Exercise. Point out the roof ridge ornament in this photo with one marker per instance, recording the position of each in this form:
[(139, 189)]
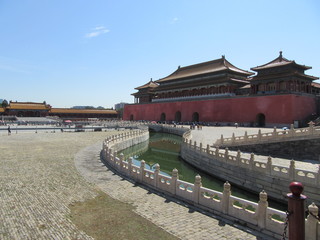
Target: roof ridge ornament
[(280, 55)]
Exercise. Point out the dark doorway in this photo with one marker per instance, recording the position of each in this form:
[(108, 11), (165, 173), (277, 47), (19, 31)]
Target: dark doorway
[(195, 117), (261, 120), (178, 117), (131, 117), (163, 117)]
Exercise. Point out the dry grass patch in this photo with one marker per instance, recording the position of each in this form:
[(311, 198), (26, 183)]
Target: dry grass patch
[(106, 218)]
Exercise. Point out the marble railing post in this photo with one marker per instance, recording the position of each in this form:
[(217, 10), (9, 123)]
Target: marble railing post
[(142, 166), (292, 168), (274, 133), (318, 175), (200, 147), (130, 166), (174, 178), (208, 148), (221, 139), (245, 136), (121, 158), (217, 151), (312, 223), (259, 135), (226, 197), (291, 131), (233, 138), (238, 157), (269, 165), (262, 209), (226, 154), (156, 174), (195, 145), (251, 162), (196, 188)]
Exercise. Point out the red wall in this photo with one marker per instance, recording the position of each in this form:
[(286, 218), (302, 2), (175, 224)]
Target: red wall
[(282, 109)]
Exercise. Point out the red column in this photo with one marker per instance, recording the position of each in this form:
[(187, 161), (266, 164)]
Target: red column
[(296, 211)]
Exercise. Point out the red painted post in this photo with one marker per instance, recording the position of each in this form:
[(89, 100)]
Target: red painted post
[(296, 211)]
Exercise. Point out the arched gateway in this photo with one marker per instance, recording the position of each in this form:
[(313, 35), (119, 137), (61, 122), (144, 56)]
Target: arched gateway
[(261, 120)]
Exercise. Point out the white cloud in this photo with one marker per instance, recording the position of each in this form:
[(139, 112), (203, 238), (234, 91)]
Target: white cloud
[(97, 31), (174, 20)]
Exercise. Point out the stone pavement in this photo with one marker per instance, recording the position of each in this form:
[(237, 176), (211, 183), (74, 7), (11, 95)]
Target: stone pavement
[(39, 179)]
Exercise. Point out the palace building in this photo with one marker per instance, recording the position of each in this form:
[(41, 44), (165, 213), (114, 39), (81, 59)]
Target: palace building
[(31, 109), (279, 93)]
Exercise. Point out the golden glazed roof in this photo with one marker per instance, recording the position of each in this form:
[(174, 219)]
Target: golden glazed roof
[(84, 111), (217, 65), (28, 105)]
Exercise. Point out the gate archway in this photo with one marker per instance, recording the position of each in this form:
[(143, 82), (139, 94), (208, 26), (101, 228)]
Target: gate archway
[(261, 120), (195, 117), (177, 117), (163, 117)]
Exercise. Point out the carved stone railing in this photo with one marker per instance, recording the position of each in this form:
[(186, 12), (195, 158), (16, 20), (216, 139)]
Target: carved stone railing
[(256, 215), (291, 134)]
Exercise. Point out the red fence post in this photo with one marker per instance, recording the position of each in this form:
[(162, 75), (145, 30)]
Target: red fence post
[(296, 209)]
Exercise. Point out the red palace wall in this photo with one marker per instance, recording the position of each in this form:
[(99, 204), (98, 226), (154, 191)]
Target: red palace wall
[(277, 109)]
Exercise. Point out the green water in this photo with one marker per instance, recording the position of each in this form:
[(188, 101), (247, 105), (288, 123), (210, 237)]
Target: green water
[(164, 149)]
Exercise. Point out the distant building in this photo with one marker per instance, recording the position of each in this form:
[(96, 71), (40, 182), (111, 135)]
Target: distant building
[(217, 91), (120, 105), (31, 109)]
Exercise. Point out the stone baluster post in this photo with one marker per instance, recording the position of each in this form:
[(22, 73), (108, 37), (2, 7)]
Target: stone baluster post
[(221, 139), (296, 211), (130, 160), (312, 222), (311, 128), (156, 174), (174, 178), (259, 135), (245, 136), (196, 189), (318, 176), (200, 147), (121, 159), (238, 157), (291, 131), (292, 169), (269, 165), (208, 149), (233, 139), (142, 167), (217, 151), (274, 133), (225, 201), (190, 143), (262, 209), (115, 153), (226, 154), (195, 145), (251, 162)]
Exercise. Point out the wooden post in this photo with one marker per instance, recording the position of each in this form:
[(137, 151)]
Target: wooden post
[(296, 211)]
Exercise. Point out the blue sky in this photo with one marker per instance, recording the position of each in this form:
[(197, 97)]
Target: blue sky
[(81, 52)]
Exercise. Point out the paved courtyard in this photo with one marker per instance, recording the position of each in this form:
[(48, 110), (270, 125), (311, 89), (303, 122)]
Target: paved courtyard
[(42, 174)]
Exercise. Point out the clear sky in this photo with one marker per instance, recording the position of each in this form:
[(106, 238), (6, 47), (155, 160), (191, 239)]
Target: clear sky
[(81, 52)]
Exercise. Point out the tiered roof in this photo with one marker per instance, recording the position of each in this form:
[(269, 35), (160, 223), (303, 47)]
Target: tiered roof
[(214, 66), (150, 84)]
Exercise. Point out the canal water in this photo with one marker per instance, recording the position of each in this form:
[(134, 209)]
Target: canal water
[(164, 149)]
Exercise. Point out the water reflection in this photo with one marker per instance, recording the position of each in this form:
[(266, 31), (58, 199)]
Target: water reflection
[(164, 149)]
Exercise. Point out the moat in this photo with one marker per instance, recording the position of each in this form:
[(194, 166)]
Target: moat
[(164, 149)]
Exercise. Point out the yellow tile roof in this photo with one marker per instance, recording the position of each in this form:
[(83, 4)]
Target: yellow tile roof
[(31, 106), (1, 109), (72, 110)]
